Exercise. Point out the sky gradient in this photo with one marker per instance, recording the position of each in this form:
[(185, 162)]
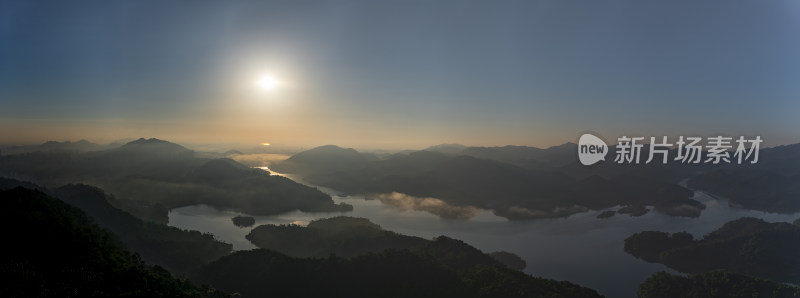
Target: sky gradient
[(398, 74)]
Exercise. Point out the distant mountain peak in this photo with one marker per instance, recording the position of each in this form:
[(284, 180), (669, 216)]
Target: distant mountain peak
[(153, 144), (447, 148), (449, 145), (53, 143), (565, 145), (329, 149), (329, 157), (232, 152), (150, 141), (82, 144), (427, 154)]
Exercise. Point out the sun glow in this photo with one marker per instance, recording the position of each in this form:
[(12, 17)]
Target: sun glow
[(267, 83), (264, 144)]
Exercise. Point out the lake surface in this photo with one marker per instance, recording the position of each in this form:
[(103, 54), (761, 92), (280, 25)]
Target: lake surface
[(580, 248)]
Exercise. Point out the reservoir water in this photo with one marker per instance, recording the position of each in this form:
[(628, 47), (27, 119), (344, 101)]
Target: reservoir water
[(580, 248)]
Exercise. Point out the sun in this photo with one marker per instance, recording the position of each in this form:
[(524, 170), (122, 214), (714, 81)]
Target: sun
[(267, 83)]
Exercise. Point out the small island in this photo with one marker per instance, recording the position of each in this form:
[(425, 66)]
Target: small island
[(607, 214), (634, 210), (682, 208), (244, 221)]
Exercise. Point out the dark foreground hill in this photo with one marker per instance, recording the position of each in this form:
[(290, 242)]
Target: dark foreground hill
[(353, 257), (178, 250), (715, 284), (59, 251), (350, 236), (55, 250), (392, 273), (748, 246)]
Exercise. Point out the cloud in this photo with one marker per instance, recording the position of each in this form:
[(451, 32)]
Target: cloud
[(432, 205), (302, 223)]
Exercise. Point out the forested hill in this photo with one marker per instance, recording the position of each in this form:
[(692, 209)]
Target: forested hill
[(178, 250), (55, 250), (748, 245), (149, 176)]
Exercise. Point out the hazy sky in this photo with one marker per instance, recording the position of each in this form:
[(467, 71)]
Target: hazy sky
[(398, 74)]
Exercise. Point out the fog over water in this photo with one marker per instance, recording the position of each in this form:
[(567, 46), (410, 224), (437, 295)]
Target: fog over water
[(580, 248)]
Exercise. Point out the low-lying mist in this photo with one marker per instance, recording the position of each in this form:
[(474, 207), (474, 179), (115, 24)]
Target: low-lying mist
[(432, 205)]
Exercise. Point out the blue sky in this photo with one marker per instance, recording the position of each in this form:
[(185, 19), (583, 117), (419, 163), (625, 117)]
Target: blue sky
[(399, 74)]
